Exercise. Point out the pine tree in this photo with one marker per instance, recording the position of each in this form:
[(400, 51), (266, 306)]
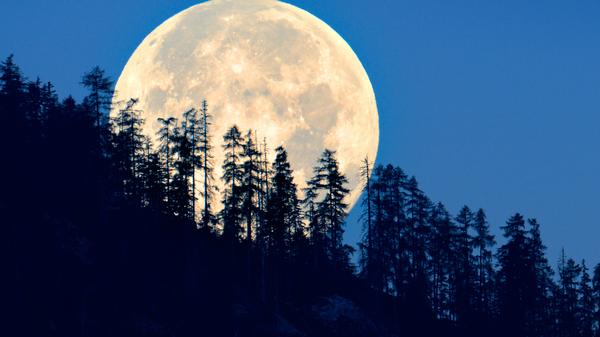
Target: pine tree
[(153, 178), (166, 134), (568, 311), (233, 173), (596, 299), (483, 242), (185, 160), (514, 278), (250, 186), (442, 258), (464, 265), (540, 321), (100, 97), (586, 307), (367, 245), (128, 150), (283, 208), (205, 148), (330, 182)]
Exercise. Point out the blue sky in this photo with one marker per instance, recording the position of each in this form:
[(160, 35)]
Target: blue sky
[(490, 104)]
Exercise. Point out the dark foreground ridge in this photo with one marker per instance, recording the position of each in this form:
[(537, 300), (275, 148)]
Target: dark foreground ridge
[(101, 236)]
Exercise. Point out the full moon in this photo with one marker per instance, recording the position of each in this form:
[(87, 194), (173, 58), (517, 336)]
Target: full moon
[(263, 65)]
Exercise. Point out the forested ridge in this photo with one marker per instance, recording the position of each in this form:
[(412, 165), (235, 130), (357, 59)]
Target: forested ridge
[(108, 234)]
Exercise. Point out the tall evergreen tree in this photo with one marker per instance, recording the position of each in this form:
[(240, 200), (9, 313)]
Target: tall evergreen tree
[(464, 265), (515, 278), (153, 180), (568, 311), (596, 297), (128, 153), (483, 241), (205, 147), (283, 217), (100, 98), (540, 320), (330, 182), (586, 304), (443, 255), (185, 161), (166, 136), (251, 185), (367, 244), (233, 174)]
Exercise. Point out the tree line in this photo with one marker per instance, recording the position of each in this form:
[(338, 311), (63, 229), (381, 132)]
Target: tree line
[(92, 205), (445, 266)]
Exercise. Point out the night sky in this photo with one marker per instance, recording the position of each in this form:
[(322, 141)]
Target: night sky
[(495, 105)]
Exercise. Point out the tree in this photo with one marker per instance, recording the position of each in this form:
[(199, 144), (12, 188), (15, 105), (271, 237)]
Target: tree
[(596, 297), (13, 128), (205, 148), (515, 278), (443, 255), (232, 176), (251, 185), (568, 311), (165, 137), (483, 241), (183, 196), (128, 148), (330, 182), (540, 321), (153, 179), (100, 97), (464, 271), (283, 217), (367, 246), (587, 307)]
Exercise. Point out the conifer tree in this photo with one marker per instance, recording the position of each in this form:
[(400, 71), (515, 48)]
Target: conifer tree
[(568, 311), (586, 304), (443, 256), (463, 266), (251, 185), (233, 174), (128, 148), (166, 134), (205, 148), (185, 160), (153, 178), (330, 182), (283, 208), (596, 299), (367, 245), (100, 98), (482, 242), (540, 320), (514, 278)]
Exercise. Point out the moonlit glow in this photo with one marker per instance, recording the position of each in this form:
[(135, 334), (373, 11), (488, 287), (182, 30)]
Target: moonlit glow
[(263, 65)]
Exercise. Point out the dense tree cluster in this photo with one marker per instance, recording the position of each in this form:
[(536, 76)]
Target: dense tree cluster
[(103, 234), (442, 266)]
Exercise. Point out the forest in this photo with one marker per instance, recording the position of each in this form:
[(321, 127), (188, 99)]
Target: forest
[(108, 234)]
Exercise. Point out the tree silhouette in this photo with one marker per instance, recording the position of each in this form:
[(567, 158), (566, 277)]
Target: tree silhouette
[(109, 223), (128, 149), (329, 181), (166, 136), (100, 97), (514, 278), (205, 147), (283, 209), (483, 241), (233, 173)]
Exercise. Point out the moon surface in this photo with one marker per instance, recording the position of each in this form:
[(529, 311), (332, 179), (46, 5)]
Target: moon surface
[(263, 65)]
